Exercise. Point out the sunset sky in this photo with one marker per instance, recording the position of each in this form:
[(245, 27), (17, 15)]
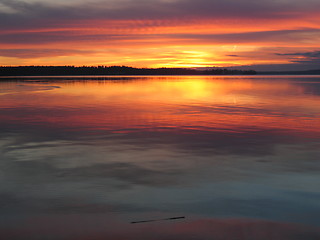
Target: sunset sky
[(269, 34)]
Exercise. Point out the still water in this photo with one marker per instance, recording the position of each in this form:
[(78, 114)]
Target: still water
[(83, 157)]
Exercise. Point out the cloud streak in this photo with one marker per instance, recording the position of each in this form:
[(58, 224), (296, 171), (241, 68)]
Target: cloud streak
[(26, 15), (32, 53), (142, 9), (303, 57)]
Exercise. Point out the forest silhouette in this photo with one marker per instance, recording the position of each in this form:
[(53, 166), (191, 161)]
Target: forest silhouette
[(112, 70)]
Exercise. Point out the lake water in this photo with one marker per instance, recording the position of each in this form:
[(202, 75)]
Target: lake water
[(83, 157)]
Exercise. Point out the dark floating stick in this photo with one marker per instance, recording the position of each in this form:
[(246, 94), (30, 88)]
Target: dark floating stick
[(155, 220)]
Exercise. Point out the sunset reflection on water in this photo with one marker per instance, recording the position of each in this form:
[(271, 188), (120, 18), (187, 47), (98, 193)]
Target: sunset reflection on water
[(238, 156)]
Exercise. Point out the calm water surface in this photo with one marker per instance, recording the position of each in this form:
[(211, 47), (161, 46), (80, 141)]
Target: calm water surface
[(83, 157)]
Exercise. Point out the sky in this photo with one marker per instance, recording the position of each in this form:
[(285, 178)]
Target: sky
[(262, 35)]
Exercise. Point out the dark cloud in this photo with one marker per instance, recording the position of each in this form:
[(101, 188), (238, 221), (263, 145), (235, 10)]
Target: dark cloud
[(314, 54), (38, 14), (232, 38), (307, 57)]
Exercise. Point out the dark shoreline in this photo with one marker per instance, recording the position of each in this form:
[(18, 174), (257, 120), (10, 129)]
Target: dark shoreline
[(58, 71), (113, 71)]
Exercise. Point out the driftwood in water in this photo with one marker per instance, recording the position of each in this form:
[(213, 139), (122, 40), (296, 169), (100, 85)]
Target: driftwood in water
[(154, 220)]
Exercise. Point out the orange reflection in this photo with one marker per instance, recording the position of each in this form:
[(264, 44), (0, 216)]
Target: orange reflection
[(200, 103)]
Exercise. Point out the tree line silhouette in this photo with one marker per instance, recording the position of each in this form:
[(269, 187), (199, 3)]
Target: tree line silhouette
[(112, 70)]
